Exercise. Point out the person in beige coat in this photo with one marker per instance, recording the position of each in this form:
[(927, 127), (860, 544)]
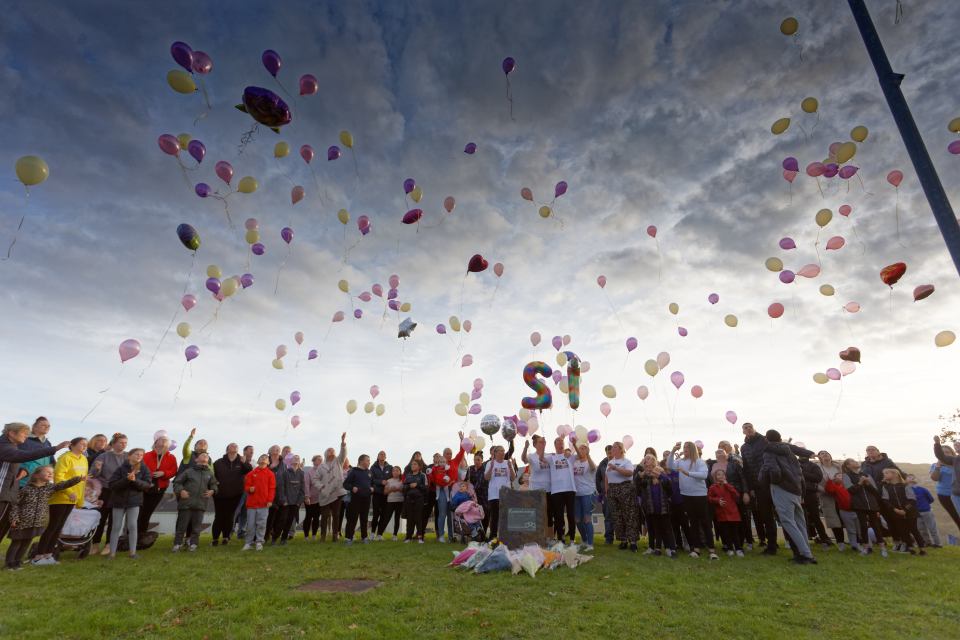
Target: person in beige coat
[(828, 505), (327, 482)]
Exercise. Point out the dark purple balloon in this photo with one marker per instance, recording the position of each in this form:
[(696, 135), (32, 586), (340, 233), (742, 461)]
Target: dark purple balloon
[(954, 147), (787, 276), (271, 61), (358, 313), (197, 150), (246, 280), (508, 65), (392, 294), (409, 185), (333, 153), (470, 149), (312, 355), (265, 107), (257, 248), (213, 285), (182, 54), (560, 189), (203, 189), (790, 164), (202, 63), (830, 170), (394, 305), (287, 234)]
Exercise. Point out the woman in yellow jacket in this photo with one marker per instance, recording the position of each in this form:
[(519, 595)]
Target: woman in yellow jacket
[(72, 464)]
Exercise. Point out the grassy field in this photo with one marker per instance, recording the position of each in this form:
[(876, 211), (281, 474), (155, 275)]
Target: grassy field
[(225, 593)]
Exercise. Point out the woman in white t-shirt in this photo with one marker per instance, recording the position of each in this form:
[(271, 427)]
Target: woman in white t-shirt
[(584, 480), (623, 498), (499, 474), (562, 491), (539, 471), (693, 487)]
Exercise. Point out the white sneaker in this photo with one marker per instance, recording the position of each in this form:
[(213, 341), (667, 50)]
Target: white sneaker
[(730, 553), (694, 554), (420, 541), (193, 547), (739, 553), (648, 552), (714, 556), (406, 541), (259, 547), (175, 548), (247, 547), (588, 548)]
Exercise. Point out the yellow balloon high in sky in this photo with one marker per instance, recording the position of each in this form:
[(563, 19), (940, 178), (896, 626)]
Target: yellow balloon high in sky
[(281, 150), (789, 26), (809, 105), (183, 329), (823, 217), (545, 211), (346, 139), (859, 133), (247, 184), (351, 406), (213, 271), (181, 81), (774, 264), (846, 151), (780, 126), (730, 320), (417, 194), (609, 391), (344, 286), (954, 125), (651, 367), (183, 140), (343, 216), (32, 170)]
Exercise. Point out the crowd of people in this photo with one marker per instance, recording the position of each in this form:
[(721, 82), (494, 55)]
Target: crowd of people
[(678, 499)]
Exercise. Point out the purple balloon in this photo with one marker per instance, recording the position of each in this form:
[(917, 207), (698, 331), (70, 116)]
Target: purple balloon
[(295, 397), (475, 394), (358, 313), (475, 409), (593, 435), (394, 305), (287, 234), (409, 185), (392, 294), (522, 429), (833, 374), (257, 248), (312, 355), (848, 171), (954, 147), (197, 150), (787, 243), (556, 376), (508, 65), (682, 331), (191, 352), (713, 298), (213, 285), (271, 62), (246, 280), (441, 329), (787, 276), (265, 107), (830, 170), (333, 153), (202, 63), (470, 149), (791, 164), (203, 189), (631, 344), (560, 189), (182, 54)]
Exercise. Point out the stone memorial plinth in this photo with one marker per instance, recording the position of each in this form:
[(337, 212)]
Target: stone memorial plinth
[(523, 518)]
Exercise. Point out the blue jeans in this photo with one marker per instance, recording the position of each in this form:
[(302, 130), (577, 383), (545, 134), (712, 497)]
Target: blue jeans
[(240, 516), (583, 506), (443, 513), (607, 521)]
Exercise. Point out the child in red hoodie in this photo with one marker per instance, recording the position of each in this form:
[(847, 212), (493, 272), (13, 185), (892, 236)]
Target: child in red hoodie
[(260, 486), (725, 498), (834, 487)]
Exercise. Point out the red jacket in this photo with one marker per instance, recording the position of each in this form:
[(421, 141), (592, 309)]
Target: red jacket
[(168, 465), (264, 485), (729, 512), (443, 474), (839, 493)]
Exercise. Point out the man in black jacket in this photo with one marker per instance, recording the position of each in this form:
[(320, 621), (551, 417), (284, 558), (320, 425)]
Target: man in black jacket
[(761, 503), (229, 472), (380, 472), (358, 484), (14, 435), (781, 470)]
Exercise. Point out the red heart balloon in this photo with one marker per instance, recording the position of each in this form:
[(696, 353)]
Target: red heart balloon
[(477, 264), (850, 354), (892, 273)]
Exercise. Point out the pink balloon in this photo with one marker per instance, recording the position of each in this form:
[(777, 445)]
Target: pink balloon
[(338, 316), (682, 331), (954, 147), (365, 296), (449, 203), (557, 342), (731, 417), (377, 290), (847, 367), (696, 391), (566, 340), (832, 150), (851, 307), (787, 276), (475, 394), (602, 281), (815, 169), (631, 344), (775, 310), (188, 301), (895, 177), (129, 348), (833, 374), (652, 231), (308, 85), (467, 326), (535, 338), (787, 244), (643, 392), (677, 379), (790, 176), (394, 281), (466, 361), (713, 298), (584, 366), (281, 350), (809, 271), (663, 359), (526, 194), (169, 144), (836, 242), (845, 210), (298, 337), (475, 409), (306, 152), (296, 194), (295, 421), (467, 444), (563, 430), (605, 409), (790, 164), (374, 391), (627, 442), (498, 269), (224, 171), (556, 376), (251, 224)]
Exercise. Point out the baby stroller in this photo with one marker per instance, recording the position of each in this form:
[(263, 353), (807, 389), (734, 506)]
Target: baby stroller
[(468, 523), (81, 524)]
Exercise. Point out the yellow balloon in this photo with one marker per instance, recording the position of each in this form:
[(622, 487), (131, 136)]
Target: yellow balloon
[(545, 211), (368, 407), (674, 308), (277, 364), (774, 264), (479, 443), (564, 385), (730, 320), (247, 184), (780, 126), (381, 409), (32, 170), (859, 133), (344, 286), (343, 216), (561, 359), (823, 217), (454, 323), (417, 194), (184, 140), (253, 236), (181, 81), (183, 329), (944, 338), (405, 307), (821, 378), (954, 125), (846, 151), (347, 140), (229, 287), (789, 26), (809, 105), (827, 290), (651, 367), (351, 406), (609, 391), (464, 398), (281, 150), (213, 271), (280, 404), (524, 414), (460, 409)]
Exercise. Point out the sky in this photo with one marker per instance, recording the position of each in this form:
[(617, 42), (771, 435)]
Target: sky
[(654, 113)]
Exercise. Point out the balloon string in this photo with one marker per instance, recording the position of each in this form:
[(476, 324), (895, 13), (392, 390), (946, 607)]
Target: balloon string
[(206, 100), (898, 16), (15, 236), (356, 167), (177, 394), (837, 406), (510, 97), (659, 261), (214, 317), (283, 265), (160, 343), (818, 186), (796, 41), (280, 84), (103, 395), (614, 309)]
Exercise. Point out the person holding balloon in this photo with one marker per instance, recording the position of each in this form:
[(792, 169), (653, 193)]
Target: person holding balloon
[(618, 487), (563, 491), (327, 480), (163, 469), (539, 469), (693, 487), (443, 475)]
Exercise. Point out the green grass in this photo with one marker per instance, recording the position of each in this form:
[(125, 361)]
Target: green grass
[(225, 593)]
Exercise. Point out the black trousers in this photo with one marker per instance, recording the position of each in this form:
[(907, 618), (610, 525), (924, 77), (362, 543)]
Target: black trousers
[(224, 508), (746, 529), (273, 516), (413, 507), (342, 517), (391, 510), (151, 499), (58, 518), (379, 506), (564, 502), (730, 535), (678, 521), (5, 508), (494, 511), (429, 505), (944, 501), (697, 510), (660, 531), (106, 518), (284, 523), (16, 551), (766, 516), (311, 520), (811, 509), (358, 510), (869, 519)]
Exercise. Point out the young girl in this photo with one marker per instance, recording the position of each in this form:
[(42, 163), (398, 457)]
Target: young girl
[(499, 475), (865, 502), (414, 494), (127, 485), (841, 498), (724, 498), (654, 491), (28, 517), (394, 492), (902, 504)]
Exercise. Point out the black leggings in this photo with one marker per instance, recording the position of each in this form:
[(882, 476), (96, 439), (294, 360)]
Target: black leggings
[(564, 501), (660, 531), (58, 518), (949, 507), (493, 507), (413, 506), (698, 519), (869, 519), (16, 551), (274, 515), (379, 502), (730, 535), (390, 510), (678, 522), (224, 509), (288, 513), (815, 528), (311, 520), (150, 501)]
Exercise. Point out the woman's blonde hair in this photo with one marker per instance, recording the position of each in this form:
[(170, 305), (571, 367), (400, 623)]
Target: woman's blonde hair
[(895, 472), (38, 470), (690, 446)]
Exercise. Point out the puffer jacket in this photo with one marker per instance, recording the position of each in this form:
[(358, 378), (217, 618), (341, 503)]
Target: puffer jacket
[(900, 496), (379, 475), (196, 480), (780, 467), (735, 475), (229, 474), (752, 453), (125, 493), (875, 469), (862, 497), (812, 476), (291, 487)]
